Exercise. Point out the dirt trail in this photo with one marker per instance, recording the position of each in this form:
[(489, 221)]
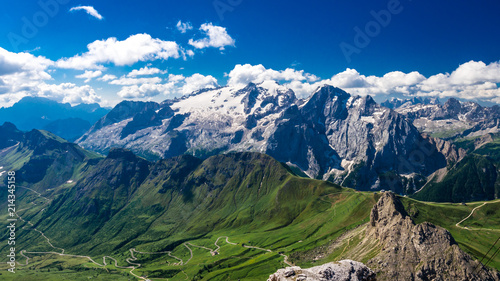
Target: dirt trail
[(132, 260), (470, 215)]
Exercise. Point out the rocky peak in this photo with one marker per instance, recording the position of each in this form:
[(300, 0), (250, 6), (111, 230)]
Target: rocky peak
[(452, 107), (9, 135), (365, 105), (422, 252), (266, 97), (8, 127), (329, 101), (124, 110), (388, 208), (328, 92)]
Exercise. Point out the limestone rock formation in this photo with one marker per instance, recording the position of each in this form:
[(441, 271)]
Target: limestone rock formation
[(350, 140), (345, 270), (417, 252)]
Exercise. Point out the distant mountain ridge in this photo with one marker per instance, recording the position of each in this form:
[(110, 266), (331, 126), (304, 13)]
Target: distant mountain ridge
[(398, 102), (68, 122), (350, 140), (453, 119), (40, 158)]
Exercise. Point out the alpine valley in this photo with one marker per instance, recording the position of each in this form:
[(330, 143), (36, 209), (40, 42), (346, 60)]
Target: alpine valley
[(253, 183)]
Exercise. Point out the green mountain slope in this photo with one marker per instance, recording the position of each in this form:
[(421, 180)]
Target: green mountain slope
[(474, 178), (124, 202), (229, 217), (41, 159)]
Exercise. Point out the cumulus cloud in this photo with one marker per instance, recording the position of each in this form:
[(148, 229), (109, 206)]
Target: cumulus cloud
[(68, 93), (142, 91), (216, 37), (23, 74), (20, 74), (24, 64), (197, 82), (470, 81), (107, 77), (89, 9), (135, 81), (88, 75), (139, 47), (243, 74), (145, 71), (390, 83), (183, 27), (175, 85)]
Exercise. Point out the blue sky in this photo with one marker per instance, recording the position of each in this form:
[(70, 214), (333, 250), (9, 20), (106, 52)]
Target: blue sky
[(383, 48)]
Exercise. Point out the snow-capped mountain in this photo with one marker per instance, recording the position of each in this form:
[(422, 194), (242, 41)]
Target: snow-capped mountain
[(453, 118), (398, 102), (348, 139)]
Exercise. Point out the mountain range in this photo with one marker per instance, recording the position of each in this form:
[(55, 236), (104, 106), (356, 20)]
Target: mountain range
[(76, 207), (62, 119), (349, 140), (417, 146), (238, 182)]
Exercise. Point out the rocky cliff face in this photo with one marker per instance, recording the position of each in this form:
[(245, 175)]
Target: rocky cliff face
[(345, 270), (417, 252), (332, 135), (451, 119), (397, 249), (353, 141)]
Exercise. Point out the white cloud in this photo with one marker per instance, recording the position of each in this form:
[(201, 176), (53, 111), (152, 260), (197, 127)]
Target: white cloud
[(88, 75), (89, 9), (183, 27), (142, 91), (197, 82), (217, 37), (244, 74), (145, 71), (23, 74), (24, 64), (107, 77), (470, 81), (135, 81), (68, 93), (138, 47), (175, 85)]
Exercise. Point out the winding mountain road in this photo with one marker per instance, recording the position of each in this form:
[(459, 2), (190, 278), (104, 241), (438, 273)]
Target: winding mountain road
[(132, 260), (470, 215)]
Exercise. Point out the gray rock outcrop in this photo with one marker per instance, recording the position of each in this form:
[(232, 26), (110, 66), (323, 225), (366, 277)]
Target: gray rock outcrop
[(345, 270), (417, 252)]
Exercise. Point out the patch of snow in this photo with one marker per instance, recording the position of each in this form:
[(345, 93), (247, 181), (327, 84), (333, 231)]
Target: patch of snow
[(368, 119)]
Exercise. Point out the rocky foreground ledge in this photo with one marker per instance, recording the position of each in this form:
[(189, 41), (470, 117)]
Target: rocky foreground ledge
[(346, 270), (405, 251)]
